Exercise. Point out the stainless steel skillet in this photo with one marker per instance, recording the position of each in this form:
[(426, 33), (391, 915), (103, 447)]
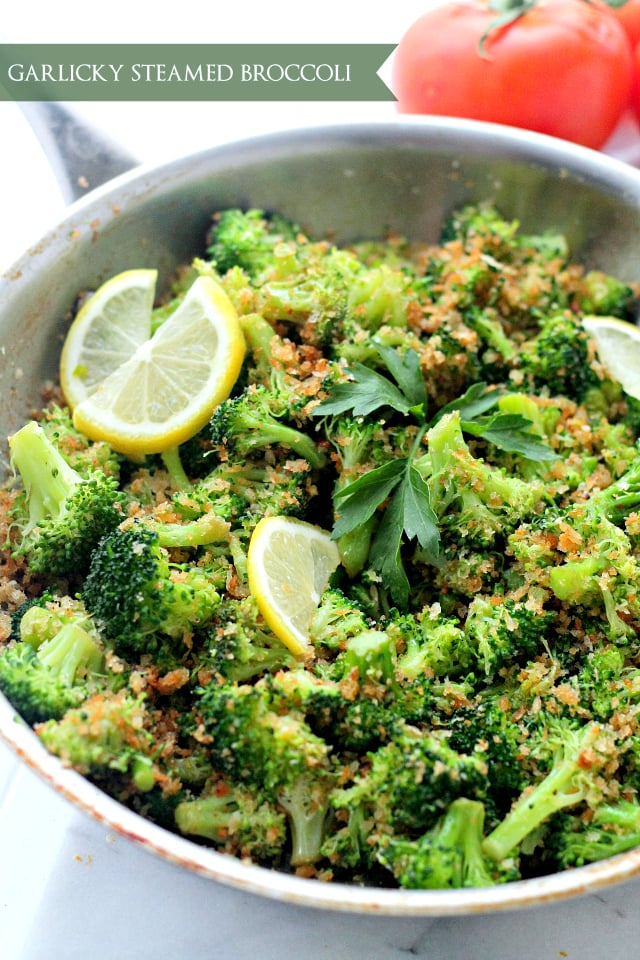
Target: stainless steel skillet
[(351, 181)]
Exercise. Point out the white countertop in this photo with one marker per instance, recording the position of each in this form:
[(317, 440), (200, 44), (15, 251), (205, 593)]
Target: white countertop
[(68, 888)]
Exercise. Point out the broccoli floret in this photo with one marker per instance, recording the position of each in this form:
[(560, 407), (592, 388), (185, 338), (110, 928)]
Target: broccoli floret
[(62, 513), (560, 359), (279, 755), (502, 631), (431, 645), (249, 239), (486, 725), (106, 735), (601, 682), (600, 562), (315, 296), (336, 619), (601, 293), (82, 454), (579, 756), (134, 591), (613, 828), (249, 422), (241, 646), (481, 221), (235, 821), (43, 682), (448, 856), (473, 500), (412, 780)]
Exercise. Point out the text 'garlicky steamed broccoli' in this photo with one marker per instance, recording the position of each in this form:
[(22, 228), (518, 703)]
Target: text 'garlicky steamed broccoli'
[(468, 714)]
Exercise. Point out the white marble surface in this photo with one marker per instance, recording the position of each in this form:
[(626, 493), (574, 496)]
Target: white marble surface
[(68, 889)]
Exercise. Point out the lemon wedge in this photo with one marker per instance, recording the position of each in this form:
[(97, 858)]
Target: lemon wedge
[(167, 390), (289, 563), (618, 346), (106, 331)]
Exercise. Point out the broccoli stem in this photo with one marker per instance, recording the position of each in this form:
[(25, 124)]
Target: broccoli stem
[(173, 465), (259, 335), (268, 433), (565, 786), (209, 528), (70, 648), (46, 476), (307, 812)]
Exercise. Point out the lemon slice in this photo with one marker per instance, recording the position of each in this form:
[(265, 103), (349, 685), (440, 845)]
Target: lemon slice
[(168, 389), (289, 563), (106, 331), (618, 346)]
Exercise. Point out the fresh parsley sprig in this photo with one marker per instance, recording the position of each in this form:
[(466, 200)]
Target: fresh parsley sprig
[(397, 485)]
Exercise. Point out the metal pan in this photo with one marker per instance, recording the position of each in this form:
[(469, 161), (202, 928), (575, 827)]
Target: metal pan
[(352, 181)]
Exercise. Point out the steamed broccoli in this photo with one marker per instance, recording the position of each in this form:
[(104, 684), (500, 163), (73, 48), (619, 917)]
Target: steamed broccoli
[(134, 591), (411, 780), (51, 669), (613, 828), (276, 754), (474, 500), (105, 738), (579, 757), (236, 821), (62, 513), (239, 644), (246, 423), (502, 631), (560, 359), (249, 239), (448, 856)]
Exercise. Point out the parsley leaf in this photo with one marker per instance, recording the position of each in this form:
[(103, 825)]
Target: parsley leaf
[(366, 392), (359, 501), (409, 514), (510, 432)]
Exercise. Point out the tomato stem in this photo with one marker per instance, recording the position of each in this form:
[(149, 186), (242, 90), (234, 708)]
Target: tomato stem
[(508, 11)]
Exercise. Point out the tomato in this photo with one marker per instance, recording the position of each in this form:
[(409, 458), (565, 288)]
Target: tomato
[(563, 67), (635, 88), (629, 16)]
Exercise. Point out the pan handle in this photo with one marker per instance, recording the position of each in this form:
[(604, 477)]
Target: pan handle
[(80, 156)]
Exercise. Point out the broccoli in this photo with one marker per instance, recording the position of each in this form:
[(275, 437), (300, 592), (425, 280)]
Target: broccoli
[(473, 500), (336, 619), (448, 856), (236, 821), (559, 360), (82, 454), (482, 221), (579, 758), (599, 561), (239, 645), (276, 754), (613, 828), (487, 725), (601, 293), (315, 297), (502, 631), (251, 421), (251, 240), (43, 681), (431, 645), (62, 514), (134, 590), (411, 780), (105, 737)]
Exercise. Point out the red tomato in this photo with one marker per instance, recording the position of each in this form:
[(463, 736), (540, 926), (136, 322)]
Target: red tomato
[(635, 88), (629, 16), (563, 68)]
